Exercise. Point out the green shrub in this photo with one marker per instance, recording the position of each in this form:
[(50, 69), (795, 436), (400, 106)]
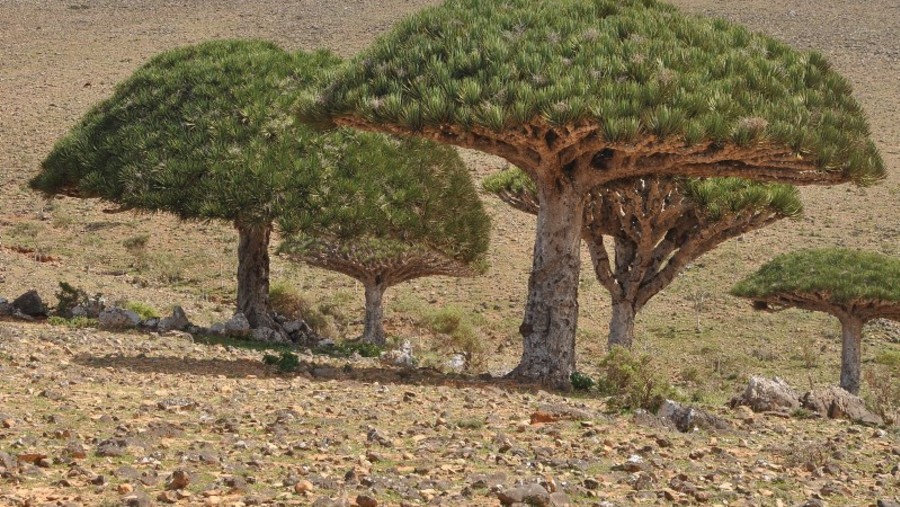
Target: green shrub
[(457, 334), (68, 297), (581, 381), (632, 381), (287, 362), (145, 311), (76, 322), (888, 358)]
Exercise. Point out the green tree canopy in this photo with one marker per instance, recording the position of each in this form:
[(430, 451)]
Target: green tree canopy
[(396, 210), (656, 227), (581, 93), (854, 286), (204, 132)]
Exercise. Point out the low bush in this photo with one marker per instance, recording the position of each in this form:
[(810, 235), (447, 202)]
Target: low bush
[(287, 362), (632, 381), (143, 310), (457, 334), (581, 381)]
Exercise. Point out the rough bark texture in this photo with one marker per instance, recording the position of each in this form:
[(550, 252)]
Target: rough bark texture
[(621, 325), (373, 331), (655, 230), (551, 311), (851, 331), (253, 275)]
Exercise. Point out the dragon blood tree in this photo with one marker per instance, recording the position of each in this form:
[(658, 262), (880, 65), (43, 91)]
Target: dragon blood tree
[(395, 211), (656, 226), (854, 286), (580, 93), (204, 132)]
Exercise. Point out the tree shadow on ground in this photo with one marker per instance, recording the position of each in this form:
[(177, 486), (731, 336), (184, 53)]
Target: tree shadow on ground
[(311, 371)]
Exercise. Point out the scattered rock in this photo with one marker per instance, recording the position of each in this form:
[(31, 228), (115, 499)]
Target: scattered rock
[(178, 321), (238, 325), (178, 480), (267, 335), (366, 501), (303, 486), (456, 363), (402, 356), (30, 304), (763, 395), (118, 318), (836, 403), (686, 419), (112, 447), (530, 494), (176, 404), (137, 499)]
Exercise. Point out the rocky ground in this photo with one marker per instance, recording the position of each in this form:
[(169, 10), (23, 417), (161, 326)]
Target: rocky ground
[(99, 418)]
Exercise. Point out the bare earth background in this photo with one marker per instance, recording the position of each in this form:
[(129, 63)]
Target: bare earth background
[(59, 385)]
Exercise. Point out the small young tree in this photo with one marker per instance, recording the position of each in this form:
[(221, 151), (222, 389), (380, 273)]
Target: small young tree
[(854, 286), (657, 226), (204, 132), (404, 211), (582, 93)]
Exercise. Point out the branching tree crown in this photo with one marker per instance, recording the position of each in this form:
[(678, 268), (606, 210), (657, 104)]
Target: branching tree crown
[(582, 93), (854, 286), (395, 210), (204, 132), (657, 227), (604, 76)]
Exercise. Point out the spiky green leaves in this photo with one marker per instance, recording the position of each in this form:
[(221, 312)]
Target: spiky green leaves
[(204, 132), (636, 68), (834, 276), (715, 198), (389, 197)]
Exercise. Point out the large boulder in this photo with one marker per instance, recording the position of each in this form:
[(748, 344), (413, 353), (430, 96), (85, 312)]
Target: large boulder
[(686, 419), (118, 318), (6, 308), (268, 335), (178, 321), (30, 304), (238, 325), (763, 395), (836, 403)]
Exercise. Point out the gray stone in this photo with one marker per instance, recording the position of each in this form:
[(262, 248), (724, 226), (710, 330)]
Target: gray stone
[(6, 309), (763, 395), (457, 363), (686, 419), (530, 494), (30, 304), (178, 321), (836, 403), (267, 335), (887, 503), (402, 356), (237, 325), (118, 318)]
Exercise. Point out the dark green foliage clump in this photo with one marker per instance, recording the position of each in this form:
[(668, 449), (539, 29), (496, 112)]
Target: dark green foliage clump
[(386, 198), (633, 381), (287, 362), (637, 68), (68, 297), (581, 381), (202, 131), (841, 276)]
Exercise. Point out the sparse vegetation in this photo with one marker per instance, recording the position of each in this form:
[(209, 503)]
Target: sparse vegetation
[(632, 381), (457, 333), (143, 310), (287, 362)]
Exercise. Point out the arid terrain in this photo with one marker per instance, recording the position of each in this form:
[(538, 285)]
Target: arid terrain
[(91, 417)]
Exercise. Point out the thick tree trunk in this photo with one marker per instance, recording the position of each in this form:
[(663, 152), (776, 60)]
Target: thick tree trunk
[(621, 325), (373, 331), (551, 311), (851, 330), (253, 275)]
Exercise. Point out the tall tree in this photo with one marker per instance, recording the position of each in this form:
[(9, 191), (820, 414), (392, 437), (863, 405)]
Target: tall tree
[(395, 212), (581, 93), (854, 286), (657, 226), (204, 132)]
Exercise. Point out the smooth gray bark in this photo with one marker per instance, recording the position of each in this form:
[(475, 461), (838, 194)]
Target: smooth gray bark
[(851, 331), (551, 311), (253, 275), (621, 325), (373, 331)]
